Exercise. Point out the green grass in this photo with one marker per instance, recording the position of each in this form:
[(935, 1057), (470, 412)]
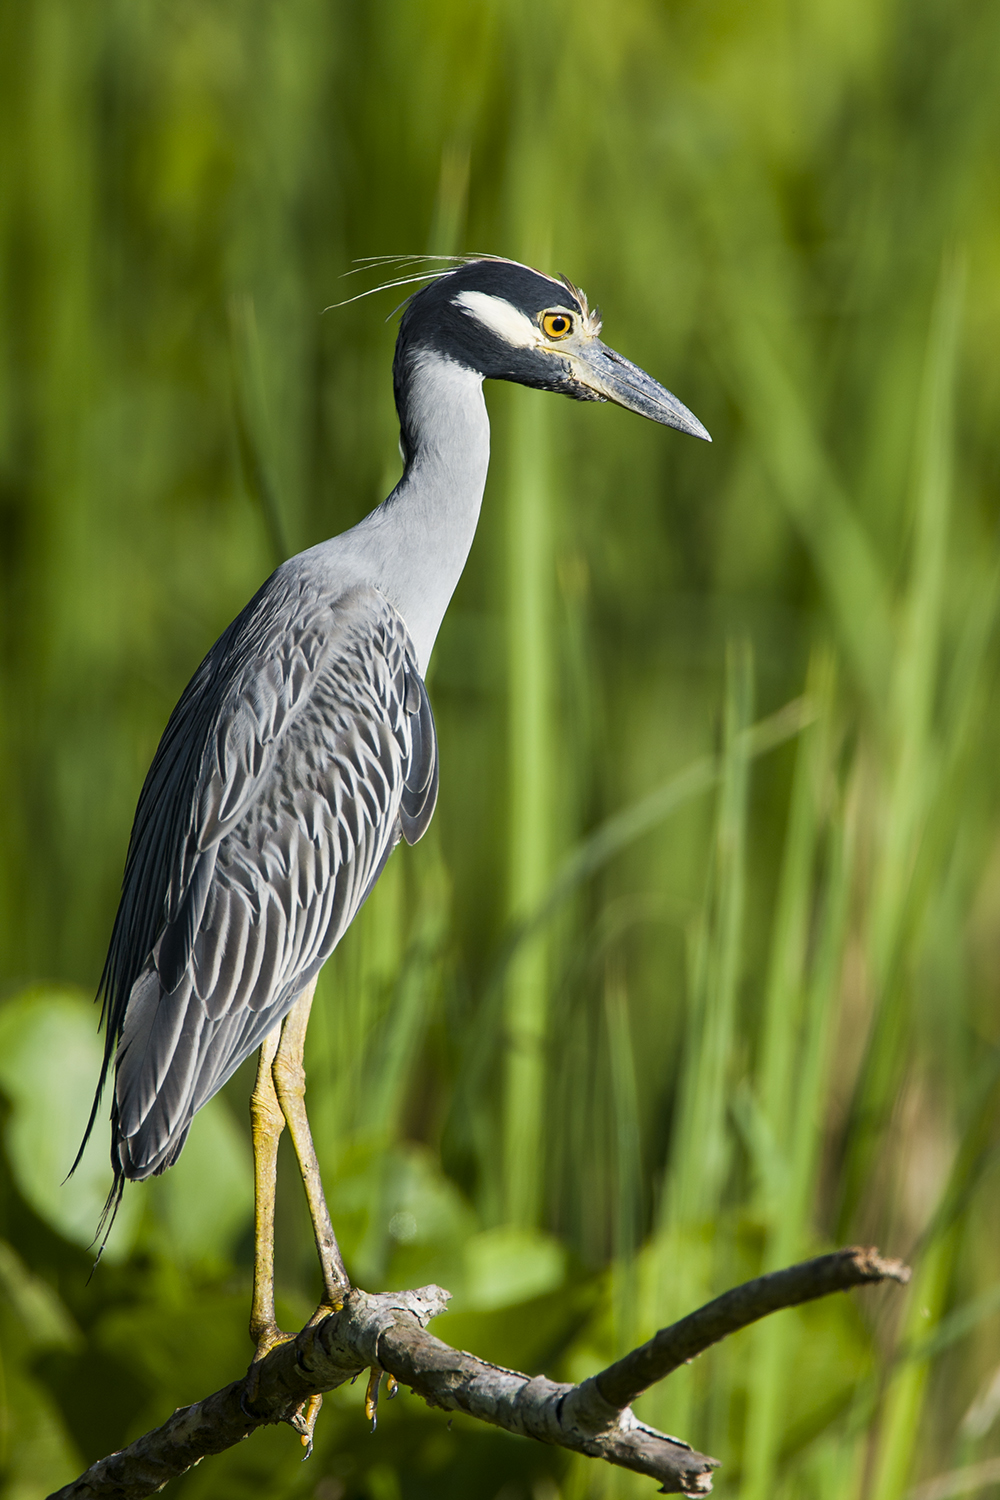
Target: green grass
[(695, 972)]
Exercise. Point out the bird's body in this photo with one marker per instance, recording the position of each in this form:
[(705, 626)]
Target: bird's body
[(303, 748), (299, 754)]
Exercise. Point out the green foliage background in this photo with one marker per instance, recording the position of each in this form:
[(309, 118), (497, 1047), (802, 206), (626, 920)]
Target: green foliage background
[(661, 999)]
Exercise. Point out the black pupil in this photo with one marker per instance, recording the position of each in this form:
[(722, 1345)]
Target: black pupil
[(558, 325)]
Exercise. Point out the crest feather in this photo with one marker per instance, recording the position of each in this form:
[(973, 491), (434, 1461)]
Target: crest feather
[(448, 264)]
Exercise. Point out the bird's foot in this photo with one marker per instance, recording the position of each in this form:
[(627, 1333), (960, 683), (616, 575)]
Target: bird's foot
[(329, 1305), (336, 1282), (303, 1419), (371, 1394), (307, 1338), (267, 1339)]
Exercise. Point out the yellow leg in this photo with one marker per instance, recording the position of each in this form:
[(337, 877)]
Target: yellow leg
[(266, 1122), (290, 1087)]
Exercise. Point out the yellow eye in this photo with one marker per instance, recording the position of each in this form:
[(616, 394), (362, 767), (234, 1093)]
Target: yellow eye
[(557, 325)]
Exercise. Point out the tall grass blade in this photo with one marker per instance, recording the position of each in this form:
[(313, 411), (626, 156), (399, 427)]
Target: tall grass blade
[(623, 828), (252, 420), (808, 486), (912, 775), (530, 648), (628, 1153), (701, 1150), (799, 1092), (679, 1270)]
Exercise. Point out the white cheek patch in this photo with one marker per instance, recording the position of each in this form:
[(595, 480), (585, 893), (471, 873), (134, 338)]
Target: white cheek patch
[(501, 317)]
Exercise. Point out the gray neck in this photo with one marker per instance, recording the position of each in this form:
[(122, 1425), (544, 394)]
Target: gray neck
[(413, 547)]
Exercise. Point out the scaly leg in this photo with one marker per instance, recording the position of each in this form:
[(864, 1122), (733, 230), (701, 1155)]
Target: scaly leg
[(266, 1122), (290, 1087)]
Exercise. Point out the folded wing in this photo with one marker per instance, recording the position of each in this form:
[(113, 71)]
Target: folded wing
[(301, 752)]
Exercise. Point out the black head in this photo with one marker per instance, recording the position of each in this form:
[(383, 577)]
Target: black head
[(507, 322), (487, 315)]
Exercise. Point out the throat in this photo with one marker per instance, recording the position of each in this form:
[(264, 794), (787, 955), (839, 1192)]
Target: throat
[(417, 541)]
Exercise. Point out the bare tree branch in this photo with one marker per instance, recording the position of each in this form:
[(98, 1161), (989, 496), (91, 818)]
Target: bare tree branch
[(618, 1386), (387, 1332)]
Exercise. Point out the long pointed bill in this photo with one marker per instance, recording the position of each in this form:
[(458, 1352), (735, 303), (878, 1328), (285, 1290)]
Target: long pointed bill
[(608, 377)]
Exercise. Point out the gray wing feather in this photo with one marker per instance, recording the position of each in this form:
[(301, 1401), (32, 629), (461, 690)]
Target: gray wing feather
[(302, 750), (420, 783)]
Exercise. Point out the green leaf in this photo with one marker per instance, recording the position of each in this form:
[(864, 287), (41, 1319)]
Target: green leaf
[(203, 1204), (50, 1060)]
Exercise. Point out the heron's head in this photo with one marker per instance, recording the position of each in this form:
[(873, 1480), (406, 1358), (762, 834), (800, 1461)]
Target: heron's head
[(509, 322)]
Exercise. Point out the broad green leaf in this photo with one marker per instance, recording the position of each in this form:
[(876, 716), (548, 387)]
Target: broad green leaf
[(205, 1201), (50, 1060)]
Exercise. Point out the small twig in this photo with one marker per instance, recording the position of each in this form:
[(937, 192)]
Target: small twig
[(388, 1331)]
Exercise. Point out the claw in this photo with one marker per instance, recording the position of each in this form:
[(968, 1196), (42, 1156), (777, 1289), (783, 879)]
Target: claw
[(371, 1395), (304, 1422), (391, 1387)]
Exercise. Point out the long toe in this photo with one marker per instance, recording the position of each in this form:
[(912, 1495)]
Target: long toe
[(371, 1395), (269, 1339), (326, 1309), (304, 1422)]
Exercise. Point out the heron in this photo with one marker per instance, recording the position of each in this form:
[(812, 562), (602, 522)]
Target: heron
[(303, 750)]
